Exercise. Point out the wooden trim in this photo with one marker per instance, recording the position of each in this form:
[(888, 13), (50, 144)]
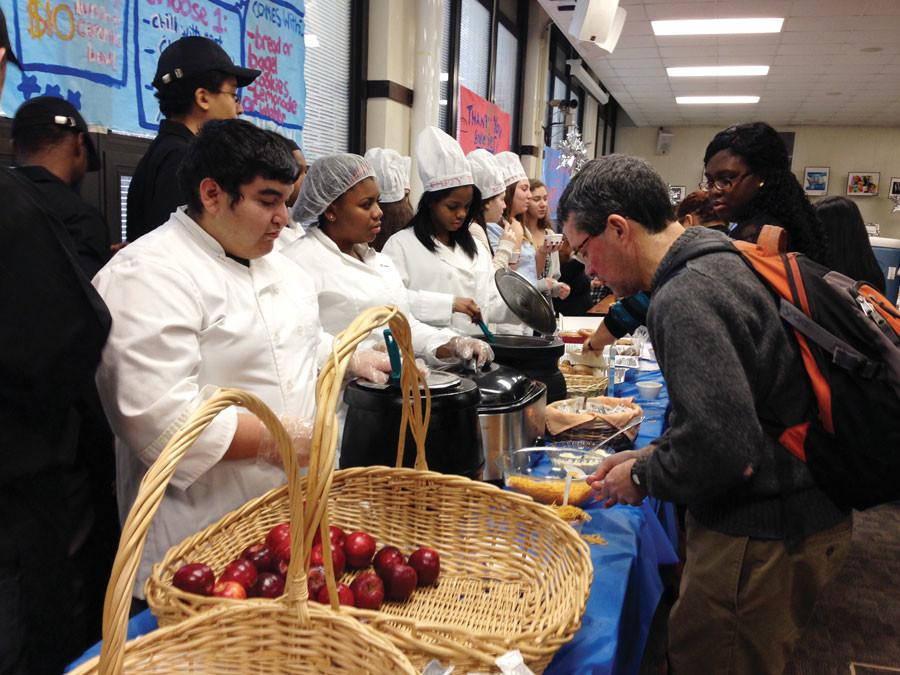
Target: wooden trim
[(359, 68), (390, 90), (530, 150)]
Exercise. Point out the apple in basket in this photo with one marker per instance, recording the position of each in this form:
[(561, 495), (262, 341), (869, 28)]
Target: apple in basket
[(279, 541), (315, 581), (335, 534), (359, 548), (387, 557), (261, 557), (195, 578), (229, 589), (268, 585), (427, 564), (399, 582), (241, 571), (338, 559), (368, 590), (281, 567), (345, 595)]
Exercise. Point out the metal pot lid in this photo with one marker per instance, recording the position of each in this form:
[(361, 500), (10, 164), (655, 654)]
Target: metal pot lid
[(501, 385), (525, 301), (437, 380)]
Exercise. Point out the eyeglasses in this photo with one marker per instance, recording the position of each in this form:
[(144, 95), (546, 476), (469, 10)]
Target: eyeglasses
[(721, 183), (579, 254), (233, 94)]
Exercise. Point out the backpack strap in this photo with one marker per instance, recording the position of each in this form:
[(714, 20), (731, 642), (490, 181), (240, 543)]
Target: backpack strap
[(772, 240)]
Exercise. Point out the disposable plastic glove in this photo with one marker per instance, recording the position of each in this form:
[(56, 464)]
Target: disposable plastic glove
[(371, 365), (299, 430), (467, 348)]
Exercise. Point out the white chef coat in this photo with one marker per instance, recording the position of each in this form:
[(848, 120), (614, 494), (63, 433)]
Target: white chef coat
[(347, 285), (435, 278), (187, 319)]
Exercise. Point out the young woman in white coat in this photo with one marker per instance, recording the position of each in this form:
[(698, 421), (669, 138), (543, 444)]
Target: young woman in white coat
[(340, 200), (449, 274)]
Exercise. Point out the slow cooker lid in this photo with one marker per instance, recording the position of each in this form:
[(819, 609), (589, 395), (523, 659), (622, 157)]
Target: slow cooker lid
[(525, 301), (501, 385)]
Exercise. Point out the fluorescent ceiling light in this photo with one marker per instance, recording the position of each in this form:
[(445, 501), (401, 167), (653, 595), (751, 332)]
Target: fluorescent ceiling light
[(718, 71), (715, 100), (716, 26)]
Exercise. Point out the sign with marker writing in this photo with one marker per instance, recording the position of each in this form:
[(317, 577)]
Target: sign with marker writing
[(481, 124), (101, 55)]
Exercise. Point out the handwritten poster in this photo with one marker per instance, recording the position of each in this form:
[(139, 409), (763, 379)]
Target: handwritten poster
[(101, 55), (481, 124), (554, 178)]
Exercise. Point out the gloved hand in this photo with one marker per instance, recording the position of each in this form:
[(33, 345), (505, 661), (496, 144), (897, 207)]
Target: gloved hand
[(299, 430), (371, 365), (467, 348)]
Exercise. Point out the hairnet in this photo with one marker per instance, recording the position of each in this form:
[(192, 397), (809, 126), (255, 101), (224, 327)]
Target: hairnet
[(328, 178)]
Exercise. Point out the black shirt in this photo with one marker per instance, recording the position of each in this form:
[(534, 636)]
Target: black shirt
[(82, 221), (154, 192)]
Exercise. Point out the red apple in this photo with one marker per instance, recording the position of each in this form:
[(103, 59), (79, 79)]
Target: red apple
[(368, 590), (229, 589), (261, 557), (427, 564), (195, 578), (345, 595), (315, 581), (359, 548), (338, 559), (268, 585), (279, 541), (387, 557), (399, 582), (241, 571), (281, 567), (335, 534)]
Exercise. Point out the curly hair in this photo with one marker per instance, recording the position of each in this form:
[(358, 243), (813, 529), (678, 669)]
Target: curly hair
[(781, 195), (697, 202)]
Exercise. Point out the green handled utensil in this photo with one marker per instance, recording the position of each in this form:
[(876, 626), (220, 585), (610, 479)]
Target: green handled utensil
[(487, 332), (394, 354)]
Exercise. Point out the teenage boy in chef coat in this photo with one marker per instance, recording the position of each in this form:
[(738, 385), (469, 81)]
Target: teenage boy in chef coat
[(199, 303)]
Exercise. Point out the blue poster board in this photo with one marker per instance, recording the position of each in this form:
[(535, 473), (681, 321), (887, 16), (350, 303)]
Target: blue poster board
[(554, 178), (101, 55)]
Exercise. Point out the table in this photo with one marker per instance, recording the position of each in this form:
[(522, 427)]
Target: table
[(626, 587)]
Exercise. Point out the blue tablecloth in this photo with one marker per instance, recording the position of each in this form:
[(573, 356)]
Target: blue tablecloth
[(626, 587)]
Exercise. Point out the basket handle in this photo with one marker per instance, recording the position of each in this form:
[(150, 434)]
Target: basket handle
[(149, 497), (414, 416)]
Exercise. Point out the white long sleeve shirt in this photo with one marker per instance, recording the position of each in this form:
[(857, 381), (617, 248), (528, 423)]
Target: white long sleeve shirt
[(188, 319)]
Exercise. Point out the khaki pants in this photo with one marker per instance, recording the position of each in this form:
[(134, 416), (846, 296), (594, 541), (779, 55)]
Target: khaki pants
[(744, 602)]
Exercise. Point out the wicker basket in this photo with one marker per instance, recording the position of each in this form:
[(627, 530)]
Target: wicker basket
[(513, 575), (286, 636), (598, 429), (585, 385)]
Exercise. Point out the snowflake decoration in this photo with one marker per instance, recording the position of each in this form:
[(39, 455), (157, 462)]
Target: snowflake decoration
[(573, 152)]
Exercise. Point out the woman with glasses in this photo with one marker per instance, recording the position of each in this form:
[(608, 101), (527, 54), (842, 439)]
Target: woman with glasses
[(750, 184)]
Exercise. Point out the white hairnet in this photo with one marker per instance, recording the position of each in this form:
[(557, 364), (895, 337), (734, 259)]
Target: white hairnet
[(328, 178)]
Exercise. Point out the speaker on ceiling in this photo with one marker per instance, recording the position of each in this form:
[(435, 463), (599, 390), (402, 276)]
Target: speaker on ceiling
[(664, 141), (593, 19)]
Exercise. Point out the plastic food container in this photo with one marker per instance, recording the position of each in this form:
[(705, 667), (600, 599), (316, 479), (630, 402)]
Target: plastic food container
[(582, 459), (544, 484), (648, 390)]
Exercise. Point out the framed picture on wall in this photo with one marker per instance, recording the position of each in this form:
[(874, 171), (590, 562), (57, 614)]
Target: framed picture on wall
[(895, 187), (815, 180), (676, 193), (863, 183)]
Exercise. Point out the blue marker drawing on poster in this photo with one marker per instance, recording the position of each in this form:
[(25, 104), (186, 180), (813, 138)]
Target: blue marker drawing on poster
[(101, 55)]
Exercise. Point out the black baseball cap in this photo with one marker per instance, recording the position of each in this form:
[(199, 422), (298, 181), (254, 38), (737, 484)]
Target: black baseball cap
[(50, 110), (5, 43), (194, 55)]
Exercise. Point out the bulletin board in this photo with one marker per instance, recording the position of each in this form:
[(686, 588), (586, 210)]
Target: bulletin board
[(101, 55)]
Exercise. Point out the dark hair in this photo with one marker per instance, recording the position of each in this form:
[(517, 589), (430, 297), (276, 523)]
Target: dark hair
[(423, 227), (780, 196), (508, 196), (177, 97), (32, 139), (234, 153), (616, 184), (697, 203), (544, 223), (849, 248), (396, 216)]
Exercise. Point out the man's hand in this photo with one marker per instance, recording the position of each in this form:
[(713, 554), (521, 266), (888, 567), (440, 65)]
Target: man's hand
[(616, 487)]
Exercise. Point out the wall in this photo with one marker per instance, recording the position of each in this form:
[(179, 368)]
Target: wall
[(843, 149)]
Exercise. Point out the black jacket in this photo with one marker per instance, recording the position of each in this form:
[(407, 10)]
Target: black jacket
[(83, 222), (154, 192)]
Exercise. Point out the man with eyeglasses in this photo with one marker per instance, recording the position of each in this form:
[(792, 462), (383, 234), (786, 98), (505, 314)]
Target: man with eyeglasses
[(762, 539), (196, 81)]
